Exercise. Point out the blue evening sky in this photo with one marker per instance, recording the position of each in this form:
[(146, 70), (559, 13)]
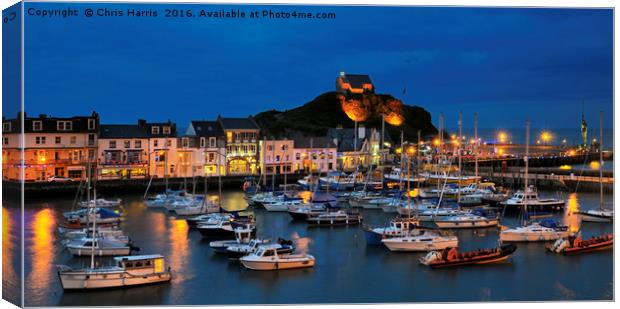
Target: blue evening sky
[(505, 64)]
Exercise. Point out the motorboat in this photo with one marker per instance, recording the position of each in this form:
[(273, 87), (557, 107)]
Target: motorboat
[(575, 245), (398, 227), (465, 221), (267, 258), (83, 216), (236, 251), (451, 257), (223, 229), (339, 217), (396, 175), (283, 205), (242, 236), (545, 230), (193, 209), (596, 215), (302, 212), (101, 202), (98, 246), (534, 202), (423, 240), (127, 271), (207, 218)]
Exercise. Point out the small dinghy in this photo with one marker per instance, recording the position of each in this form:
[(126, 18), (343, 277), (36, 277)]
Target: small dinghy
[(575, 245), (238, 250), (335, 218), (267, 258), (128, 271), (451, 257)]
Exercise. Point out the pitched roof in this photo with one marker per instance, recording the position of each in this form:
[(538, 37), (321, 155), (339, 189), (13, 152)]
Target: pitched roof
[(122, 131), (313, 142), (357, 80), (238, 123), (207, 128), (79, 124)]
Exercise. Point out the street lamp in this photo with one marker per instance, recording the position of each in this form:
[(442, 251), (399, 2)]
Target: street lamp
[(546, 136)]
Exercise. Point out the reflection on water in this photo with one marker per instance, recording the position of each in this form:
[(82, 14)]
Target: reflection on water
[(346, 269), (571, 219), (42, 249), (10, 251)]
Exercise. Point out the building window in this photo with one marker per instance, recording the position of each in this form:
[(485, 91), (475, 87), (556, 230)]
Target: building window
[(91, 124), (39, 140), (285, 147), (277, 158), (138, 144), (37, 125), (155, 143), (297, 156), (184, 141), (269, 147), (5, 140), (6, 127), (64, 125), (169, 143), (166, 130), (229, 137), (73, 140), (202, 142), (58, 140), (112, 144), (91, 140), (127, 144), (155, 130), (212, 142), (211, 158)]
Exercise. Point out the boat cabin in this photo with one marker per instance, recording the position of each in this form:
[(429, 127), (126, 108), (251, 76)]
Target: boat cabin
[(142, 264)]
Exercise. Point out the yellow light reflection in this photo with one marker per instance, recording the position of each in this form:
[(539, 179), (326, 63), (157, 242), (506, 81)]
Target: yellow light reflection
[(594, 165), (179, 250), (42, 250), (570, 218), (306, 196), (7, 244), (565, 167)]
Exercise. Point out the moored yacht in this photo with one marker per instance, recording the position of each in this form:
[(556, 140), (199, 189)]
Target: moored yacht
[(267, 258), (421, 241), (128, 271)]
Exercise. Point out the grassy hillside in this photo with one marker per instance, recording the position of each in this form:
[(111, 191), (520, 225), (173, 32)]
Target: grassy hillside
[(325, 111)]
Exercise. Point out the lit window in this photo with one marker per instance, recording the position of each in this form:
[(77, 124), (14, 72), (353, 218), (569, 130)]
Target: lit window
[(127, 144), (166, 130)]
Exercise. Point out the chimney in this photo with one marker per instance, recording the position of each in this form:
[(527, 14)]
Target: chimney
[(141, 123), (42, 116)]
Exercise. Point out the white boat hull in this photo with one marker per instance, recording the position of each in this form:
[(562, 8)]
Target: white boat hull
[(83, 280), (99, 252), (532, 237), (411, 246), (467, 224), (276, 264)]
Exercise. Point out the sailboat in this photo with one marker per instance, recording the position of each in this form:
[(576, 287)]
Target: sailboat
[(127, 271), (532, 231), (601, 214)]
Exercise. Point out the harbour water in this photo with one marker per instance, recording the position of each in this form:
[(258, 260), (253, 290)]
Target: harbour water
[(346, 271)]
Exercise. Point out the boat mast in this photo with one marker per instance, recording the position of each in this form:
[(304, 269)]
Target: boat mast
[(94, 235), (458, 193), (273, 167), (600, 159), (526, 158), (476, 146), (417, 167), (402, 162)]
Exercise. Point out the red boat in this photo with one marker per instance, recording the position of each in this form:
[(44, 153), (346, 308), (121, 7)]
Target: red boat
[(575, 245), (451, 257)]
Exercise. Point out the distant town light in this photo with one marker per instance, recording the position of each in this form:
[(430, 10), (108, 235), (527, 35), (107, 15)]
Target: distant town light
[(502, 137)]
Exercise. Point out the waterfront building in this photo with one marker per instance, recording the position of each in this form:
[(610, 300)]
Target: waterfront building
[(354, 84), (122, 152), (162, 155), (364, 152), (208, 141), (277, 155), (242, 137), (54, 146), (314, 155)]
